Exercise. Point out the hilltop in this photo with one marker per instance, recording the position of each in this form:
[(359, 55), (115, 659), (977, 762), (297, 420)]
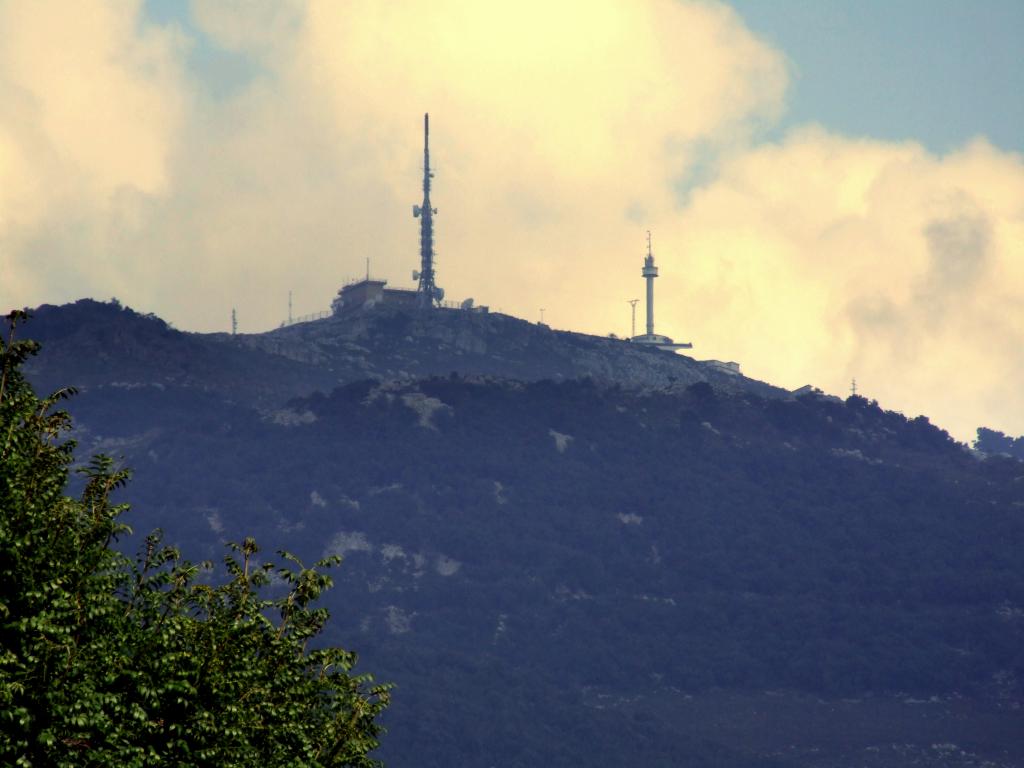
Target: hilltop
[(88, 341)]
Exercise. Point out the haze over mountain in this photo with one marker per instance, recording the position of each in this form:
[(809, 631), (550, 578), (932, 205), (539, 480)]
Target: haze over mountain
[(569, 550)]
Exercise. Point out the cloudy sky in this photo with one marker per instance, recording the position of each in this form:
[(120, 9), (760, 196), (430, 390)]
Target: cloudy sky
[(835, 189)]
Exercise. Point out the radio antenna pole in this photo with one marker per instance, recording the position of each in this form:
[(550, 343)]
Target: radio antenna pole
[(427, 291)]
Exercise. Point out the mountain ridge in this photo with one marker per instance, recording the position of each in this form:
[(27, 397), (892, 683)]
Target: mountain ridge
[(382, 342)]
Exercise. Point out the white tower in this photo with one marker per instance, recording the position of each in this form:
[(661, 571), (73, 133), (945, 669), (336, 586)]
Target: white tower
[(661, 342), (650, 272)]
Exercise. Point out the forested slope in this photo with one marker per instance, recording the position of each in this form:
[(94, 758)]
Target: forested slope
[(528, 560)]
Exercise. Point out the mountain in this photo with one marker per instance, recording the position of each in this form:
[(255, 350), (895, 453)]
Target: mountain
[(568, 550)]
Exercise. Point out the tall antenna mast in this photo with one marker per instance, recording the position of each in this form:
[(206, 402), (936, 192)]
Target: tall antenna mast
[(234, 322), (427, 291), (632, 306)]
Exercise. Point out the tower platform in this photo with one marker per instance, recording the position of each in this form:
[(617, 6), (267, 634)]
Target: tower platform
[(659, 341)]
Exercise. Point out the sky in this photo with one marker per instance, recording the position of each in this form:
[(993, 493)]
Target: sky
[(835, 190)]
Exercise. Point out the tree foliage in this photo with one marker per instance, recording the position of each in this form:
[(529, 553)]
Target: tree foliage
[(994, 442), (105, 660)]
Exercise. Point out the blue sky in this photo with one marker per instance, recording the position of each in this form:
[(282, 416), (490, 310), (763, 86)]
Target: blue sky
[(220, 71), (936, 71)]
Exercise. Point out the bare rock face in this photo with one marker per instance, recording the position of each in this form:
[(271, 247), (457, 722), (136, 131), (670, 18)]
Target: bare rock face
[(391, 342)]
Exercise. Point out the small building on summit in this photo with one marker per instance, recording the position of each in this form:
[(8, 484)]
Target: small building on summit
[(725, 367), (370, 292)]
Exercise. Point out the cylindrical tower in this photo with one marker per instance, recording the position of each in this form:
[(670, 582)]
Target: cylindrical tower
[(650, 272)]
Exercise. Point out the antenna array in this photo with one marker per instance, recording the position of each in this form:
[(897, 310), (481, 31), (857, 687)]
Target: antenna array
[(427, 291)]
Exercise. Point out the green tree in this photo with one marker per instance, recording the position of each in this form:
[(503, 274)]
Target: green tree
[(105, 660)]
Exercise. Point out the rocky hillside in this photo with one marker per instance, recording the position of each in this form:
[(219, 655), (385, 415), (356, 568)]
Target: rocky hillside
[(92, 343)]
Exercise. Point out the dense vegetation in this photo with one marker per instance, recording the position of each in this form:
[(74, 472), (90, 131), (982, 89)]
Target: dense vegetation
[(534, 560), (686, 542), (112, 662), (994, 442)]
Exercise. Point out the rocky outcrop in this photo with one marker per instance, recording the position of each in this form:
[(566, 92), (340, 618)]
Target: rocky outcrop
[(391, 342)]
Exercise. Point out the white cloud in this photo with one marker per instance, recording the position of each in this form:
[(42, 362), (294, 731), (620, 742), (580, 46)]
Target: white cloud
[(553, 125), (560, 132), (91, 104), (823, 258), (344, 542)]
